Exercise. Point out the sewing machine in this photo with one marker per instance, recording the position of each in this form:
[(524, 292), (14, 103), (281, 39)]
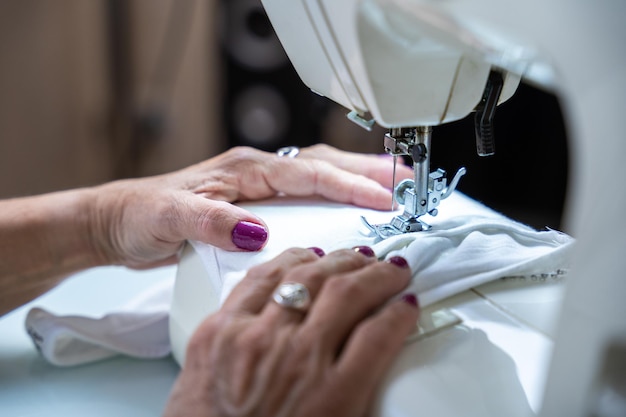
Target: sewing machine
[(409, 65), (369, 60)]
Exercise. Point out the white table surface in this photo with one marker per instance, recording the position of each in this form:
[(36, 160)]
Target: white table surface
[(119, 386)]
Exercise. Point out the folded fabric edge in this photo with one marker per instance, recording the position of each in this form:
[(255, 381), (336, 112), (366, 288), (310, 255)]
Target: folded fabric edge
[(62, 344)]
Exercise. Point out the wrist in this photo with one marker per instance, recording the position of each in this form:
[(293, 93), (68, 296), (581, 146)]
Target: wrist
[(102, 205), (63, 222), (43, 239)]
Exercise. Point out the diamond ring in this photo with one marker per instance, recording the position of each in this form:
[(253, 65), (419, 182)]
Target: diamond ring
[(288, 151), (292, 295)]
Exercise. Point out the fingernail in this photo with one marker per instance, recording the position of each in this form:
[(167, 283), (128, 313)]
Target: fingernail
[(319, 252), (410, 299), (364, 250), (398, 261), (249, 236)]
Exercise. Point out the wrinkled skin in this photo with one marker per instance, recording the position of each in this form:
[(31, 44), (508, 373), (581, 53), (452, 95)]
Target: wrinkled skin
[(256, 358)]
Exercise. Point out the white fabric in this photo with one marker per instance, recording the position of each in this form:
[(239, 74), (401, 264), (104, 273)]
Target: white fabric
[(138, 329), (472, 251), (468, 245)]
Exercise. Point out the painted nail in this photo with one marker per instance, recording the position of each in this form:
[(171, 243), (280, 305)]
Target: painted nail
[(364, 250), (249, 236), (319, 252), (410, 299), (398, 261)]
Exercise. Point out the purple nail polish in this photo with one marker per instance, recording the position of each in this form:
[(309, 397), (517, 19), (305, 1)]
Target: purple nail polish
[(365, 250), (319, 252), (398, 261), (410, 299), (249, 236)]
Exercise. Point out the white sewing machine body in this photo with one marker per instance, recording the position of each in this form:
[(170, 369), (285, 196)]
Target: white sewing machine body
[(362, 55), (426, 62)]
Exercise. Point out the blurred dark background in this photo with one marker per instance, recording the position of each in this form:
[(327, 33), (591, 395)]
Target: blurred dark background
[(96, 90)]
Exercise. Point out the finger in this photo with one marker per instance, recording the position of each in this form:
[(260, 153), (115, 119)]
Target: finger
[(253, 292), (376, 342), (217, 223), (307, 177), (377, 167), (346, 300), (313, 276)]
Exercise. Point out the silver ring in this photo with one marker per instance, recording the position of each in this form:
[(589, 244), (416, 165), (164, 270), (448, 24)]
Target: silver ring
[(288, 151), (292, 295)]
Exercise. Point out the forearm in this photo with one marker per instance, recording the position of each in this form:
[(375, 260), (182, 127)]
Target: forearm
[(42, 240)]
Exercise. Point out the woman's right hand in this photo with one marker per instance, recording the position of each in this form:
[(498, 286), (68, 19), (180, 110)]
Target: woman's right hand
[(255, 357)]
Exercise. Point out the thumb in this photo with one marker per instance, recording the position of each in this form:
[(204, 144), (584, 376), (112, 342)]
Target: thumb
[(221, 224)]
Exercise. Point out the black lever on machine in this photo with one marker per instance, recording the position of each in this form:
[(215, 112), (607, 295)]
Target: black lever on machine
[(485, 111)]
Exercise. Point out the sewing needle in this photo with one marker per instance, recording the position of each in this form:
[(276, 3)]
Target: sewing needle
[(393, 184)]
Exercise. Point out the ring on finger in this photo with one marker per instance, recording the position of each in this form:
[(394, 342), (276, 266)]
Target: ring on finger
[(292, 295), (288, 151)]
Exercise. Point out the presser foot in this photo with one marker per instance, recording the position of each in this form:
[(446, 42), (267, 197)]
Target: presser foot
[(398, 226)]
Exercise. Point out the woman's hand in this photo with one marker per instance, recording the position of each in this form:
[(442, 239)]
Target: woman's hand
[(143, 222), (255, 357)]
